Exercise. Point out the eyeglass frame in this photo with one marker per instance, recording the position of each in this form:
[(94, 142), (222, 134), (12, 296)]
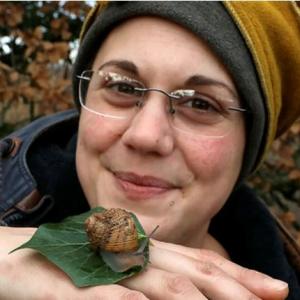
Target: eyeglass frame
[(144, 90)]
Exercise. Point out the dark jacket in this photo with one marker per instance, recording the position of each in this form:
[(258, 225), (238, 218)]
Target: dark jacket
[(38, 184)]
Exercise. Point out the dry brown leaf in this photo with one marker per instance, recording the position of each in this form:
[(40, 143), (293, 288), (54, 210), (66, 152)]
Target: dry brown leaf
[(29, 51), (4, 66), (38, 33), (56, 23), (286, 151), (59, 51), (41, 57), (294, 174), (8, 95), (66, 35), (29, 92), (286, 163), (76, 7), (14, 76), (49, 7), (288, 217), (42, 82), (295, 129), (34, 69), (47, 45), (60, 27), (11, 14)]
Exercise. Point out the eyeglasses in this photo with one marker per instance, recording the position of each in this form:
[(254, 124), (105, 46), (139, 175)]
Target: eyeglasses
[(202, 112)]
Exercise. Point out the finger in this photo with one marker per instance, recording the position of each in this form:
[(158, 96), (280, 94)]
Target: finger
[(18, 231), (213, 282), (13, 237), (112, 291), (29, 275), (258, 283), (161, 285)]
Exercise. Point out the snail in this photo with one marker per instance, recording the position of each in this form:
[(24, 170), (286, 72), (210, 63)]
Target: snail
[(112, 230), (113, 234)]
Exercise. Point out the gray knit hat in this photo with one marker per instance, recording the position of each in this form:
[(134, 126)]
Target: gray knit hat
[(212, 23)]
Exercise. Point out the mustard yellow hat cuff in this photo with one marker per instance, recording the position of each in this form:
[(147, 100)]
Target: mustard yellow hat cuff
[(271, 30)]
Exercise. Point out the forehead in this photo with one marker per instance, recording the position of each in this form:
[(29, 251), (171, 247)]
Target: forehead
[(154, 44)]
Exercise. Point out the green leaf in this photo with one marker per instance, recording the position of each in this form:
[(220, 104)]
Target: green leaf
[(66, 245)]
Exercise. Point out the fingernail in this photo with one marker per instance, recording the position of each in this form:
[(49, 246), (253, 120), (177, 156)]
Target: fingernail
[(277, 284)]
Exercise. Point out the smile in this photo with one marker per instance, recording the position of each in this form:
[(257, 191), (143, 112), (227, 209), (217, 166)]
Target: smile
[(141, 187)]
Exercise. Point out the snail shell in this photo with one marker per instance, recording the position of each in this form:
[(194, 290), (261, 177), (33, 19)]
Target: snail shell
[(112, 230)]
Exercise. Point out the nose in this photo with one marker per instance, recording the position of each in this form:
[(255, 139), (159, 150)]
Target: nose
[(150, 130)]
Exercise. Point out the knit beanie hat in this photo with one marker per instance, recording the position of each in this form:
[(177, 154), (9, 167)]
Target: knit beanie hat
[(258, 42)]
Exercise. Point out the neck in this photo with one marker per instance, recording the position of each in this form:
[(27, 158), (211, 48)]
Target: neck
[(210, 243)]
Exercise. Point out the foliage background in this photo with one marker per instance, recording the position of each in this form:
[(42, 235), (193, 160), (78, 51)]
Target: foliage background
[(37, 42)]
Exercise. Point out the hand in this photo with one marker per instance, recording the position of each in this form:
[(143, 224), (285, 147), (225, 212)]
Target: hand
[(27, 275), (178, 272), (175, 272)]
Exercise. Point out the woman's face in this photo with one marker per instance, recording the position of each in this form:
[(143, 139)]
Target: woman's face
[(167, 177)]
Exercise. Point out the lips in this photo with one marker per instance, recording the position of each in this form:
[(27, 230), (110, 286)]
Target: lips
[(142, 187), (143, 180)]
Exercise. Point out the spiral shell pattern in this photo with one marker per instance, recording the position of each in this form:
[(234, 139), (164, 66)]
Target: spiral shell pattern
[(112, 230)]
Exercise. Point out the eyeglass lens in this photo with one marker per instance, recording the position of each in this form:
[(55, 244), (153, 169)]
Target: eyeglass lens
[(113, 95)]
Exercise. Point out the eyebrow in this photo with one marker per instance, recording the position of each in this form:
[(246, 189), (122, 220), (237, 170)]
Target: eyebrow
[(203, 80), (125, 65), (197, 79)]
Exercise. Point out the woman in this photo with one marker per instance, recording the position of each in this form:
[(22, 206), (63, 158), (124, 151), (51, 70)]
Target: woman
[(176, 109)]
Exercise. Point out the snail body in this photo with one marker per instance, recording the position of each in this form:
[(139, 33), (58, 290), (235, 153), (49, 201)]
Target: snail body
[(112, 230)]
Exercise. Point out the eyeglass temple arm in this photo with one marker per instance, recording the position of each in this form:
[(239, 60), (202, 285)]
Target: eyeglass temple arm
[(83, 77), (239, 109)]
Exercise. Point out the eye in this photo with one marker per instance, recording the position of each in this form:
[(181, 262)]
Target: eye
[(201, 104), (122, 87), (191, 99)]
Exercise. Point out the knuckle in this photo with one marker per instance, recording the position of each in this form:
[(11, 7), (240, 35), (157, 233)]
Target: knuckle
[(245, 273), (132, 295), (207, 268), (178, 284)]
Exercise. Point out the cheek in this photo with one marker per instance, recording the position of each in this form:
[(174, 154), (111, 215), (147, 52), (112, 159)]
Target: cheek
[(96, 134), (216, 165), (213, 157), (95, 137)]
